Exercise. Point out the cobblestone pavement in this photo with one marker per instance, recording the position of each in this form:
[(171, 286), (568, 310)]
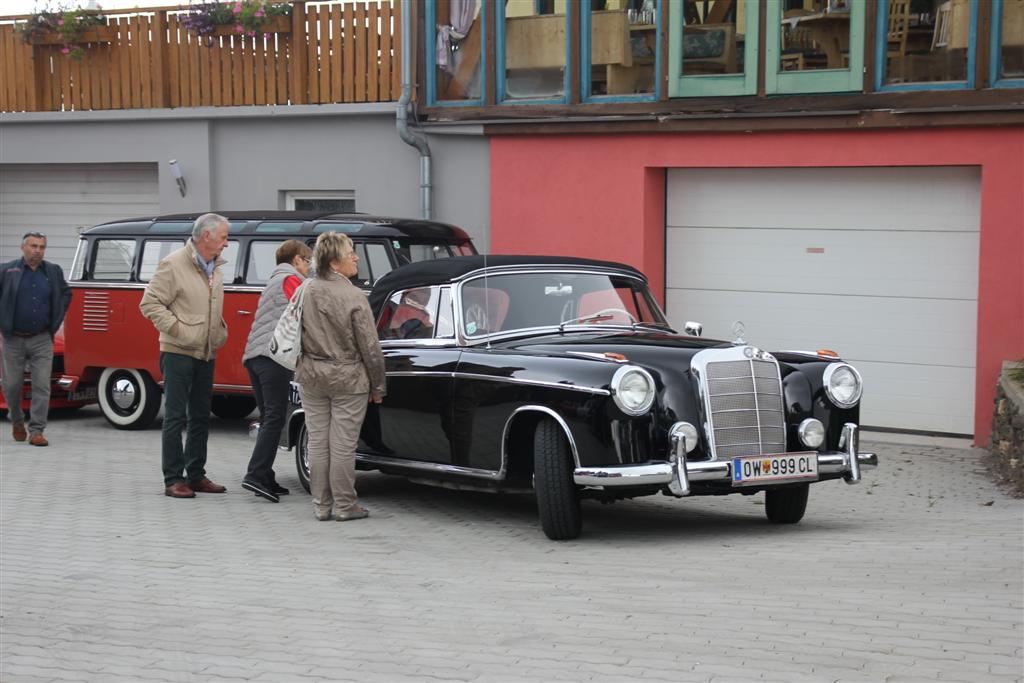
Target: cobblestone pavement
[(916, 574)]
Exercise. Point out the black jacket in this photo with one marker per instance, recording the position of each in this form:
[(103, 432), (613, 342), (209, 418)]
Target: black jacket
[(10, 280)]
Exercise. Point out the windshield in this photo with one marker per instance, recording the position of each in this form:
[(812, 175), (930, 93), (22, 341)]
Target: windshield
[(520, 301)]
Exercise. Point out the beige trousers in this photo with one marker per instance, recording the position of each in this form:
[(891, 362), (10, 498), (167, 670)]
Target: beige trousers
[(333, 423)]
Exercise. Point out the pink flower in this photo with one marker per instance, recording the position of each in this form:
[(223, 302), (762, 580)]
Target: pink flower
[(251, 33), (65, 49), (238, 7), (259, 13), (238, 28), (60, 22)]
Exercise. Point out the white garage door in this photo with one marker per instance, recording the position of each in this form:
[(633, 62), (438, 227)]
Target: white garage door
[(59, 199), (879, 264)]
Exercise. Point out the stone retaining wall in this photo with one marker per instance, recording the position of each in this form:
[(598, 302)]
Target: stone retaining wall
[(1007, 446)]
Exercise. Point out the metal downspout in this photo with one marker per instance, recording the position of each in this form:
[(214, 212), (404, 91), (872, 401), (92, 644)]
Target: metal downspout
[(402, 115)]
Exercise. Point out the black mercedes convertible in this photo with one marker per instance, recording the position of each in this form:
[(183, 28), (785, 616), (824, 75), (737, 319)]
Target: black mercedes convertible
[(562, 376)]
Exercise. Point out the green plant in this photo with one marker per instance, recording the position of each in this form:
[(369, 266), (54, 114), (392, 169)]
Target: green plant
[(69, 23), (249, 17), (1017, 373)]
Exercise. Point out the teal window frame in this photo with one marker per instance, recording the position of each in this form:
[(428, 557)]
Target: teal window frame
[(850, 79), (430, 41), (996, 51), (499, 67), (713, 85), (586, 39), (881, 47)]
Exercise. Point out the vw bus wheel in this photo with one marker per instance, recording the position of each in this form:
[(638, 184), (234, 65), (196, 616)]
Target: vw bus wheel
[(232, 407), (786, 505), (302, 457), (129, 399), (558, 502)]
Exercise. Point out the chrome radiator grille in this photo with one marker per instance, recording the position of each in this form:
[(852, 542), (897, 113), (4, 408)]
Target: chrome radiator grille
[(746, 415)]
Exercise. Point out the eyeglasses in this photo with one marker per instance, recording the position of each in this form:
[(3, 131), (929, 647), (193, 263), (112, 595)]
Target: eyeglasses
[(39, 235), (307, 259)]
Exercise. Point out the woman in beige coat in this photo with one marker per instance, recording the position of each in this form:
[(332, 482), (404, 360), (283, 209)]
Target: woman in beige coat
[(340, 370)]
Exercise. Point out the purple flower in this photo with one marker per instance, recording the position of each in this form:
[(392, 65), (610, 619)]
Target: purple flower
[(238, 7), (65, 49), (259, 13), (238, 28)]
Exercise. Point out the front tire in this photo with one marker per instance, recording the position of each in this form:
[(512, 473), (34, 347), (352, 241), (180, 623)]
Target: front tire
[(786, 505), (558, 502), (128, 398), (302, 456)]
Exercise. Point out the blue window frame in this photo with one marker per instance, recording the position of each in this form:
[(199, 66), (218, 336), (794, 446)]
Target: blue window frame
[(586, 51), (546, 82), (881, 49), (430, 41), (995, 77)]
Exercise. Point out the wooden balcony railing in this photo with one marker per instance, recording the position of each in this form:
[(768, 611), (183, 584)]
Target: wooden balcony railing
[(326, 52)]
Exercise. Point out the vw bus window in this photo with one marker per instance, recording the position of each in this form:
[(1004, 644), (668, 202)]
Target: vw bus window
[(154, 251), (377, 258), (280, 226), (230, 256), (262, 261), (113, 260)]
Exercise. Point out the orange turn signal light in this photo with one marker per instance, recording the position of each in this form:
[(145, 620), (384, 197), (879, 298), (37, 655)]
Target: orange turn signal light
[(827, 353), (614, 356)]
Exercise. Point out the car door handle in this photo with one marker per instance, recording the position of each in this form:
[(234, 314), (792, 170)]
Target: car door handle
[(245, 313)]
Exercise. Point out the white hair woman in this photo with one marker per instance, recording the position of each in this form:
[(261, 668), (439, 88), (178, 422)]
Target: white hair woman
[(340, 370)]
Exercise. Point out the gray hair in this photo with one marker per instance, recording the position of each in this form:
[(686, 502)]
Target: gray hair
[(208, 222)]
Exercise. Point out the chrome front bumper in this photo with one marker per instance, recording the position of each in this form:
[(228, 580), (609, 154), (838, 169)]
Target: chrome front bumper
[(677, 473)]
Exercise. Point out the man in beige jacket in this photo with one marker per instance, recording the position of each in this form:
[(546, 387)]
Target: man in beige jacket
[(185, 302)]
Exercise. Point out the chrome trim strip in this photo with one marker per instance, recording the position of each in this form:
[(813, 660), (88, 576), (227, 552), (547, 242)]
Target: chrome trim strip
[(494, 378), (435, 467), (550, 413), (99, 284)]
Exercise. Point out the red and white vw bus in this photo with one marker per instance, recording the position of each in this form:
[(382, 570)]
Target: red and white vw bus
[(110, 347)]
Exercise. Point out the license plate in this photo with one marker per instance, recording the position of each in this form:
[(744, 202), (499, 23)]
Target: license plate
[(87, 394), (760, 469)]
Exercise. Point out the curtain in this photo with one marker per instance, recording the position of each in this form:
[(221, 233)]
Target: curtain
[(461, 18)]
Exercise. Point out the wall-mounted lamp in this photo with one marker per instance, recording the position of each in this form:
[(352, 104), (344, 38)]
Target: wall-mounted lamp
[(178, 177)]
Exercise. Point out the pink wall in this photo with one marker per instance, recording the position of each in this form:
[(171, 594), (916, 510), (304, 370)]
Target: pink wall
[(603, 196)]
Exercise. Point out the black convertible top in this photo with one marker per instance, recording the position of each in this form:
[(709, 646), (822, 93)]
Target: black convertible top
[(424, 273)]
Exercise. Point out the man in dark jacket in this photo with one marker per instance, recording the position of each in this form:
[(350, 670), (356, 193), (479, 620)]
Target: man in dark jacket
[(34, 296)]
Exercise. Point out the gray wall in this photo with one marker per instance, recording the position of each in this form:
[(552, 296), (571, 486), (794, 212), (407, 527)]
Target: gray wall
[(247, 157)]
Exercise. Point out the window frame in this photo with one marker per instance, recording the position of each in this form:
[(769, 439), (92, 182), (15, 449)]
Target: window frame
[(712, 85), (586, 39), (850, 79), (430, 42), (881, 45), (501, 95), (291, 195), (995, 51), (95, 253)]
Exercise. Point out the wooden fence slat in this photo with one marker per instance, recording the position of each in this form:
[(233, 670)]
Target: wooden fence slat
[(51, 95), (171, 60), (18, 78), (247, 68), (145, 71), (124, 63), (216, 81), (385, 51), (349, 87), (361, 41), (269, 68), (237, 95), (297, 55), (323, 53), (396, 42), (372, 60), (312, 59), (7, 100), (135, 86), (194, 45), (103, 74), (284, 43), (336, 34), (227, 63), (88, 82), (75, 83), (259, 66), (203, 57)]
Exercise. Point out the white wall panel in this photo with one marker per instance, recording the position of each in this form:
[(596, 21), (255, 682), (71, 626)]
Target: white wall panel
[(58, 199), (898, 302)]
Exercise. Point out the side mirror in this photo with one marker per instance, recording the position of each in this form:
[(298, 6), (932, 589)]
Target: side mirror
[(692, 328)]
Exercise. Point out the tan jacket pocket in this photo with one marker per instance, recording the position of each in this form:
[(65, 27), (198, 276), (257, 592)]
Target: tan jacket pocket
[(190, 332)]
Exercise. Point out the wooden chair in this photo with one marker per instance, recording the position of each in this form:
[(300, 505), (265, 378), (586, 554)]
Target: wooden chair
[(799, 52), (896, 50), (940, 39)]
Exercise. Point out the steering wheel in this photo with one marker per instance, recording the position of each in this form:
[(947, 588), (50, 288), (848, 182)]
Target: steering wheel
[(600, 313), (475, 315)]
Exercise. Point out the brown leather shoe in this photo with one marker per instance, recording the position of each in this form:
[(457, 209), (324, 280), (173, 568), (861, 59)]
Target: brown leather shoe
[(38, 439), (179, 489), (204, 485), (18, 431)]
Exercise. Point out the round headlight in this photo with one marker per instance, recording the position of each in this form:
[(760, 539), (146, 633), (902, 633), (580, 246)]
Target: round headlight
[(843, 384), (811, 432), (633, 390)]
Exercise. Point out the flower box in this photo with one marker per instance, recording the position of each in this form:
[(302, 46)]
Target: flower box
[(94, 34), (272, 25)]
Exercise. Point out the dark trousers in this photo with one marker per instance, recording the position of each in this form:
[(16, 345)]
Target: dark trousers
[(188, 389), (270, 383)]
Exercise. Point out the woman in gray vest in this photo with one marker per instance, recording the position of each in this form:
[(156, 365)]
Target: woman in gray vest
[(271, 381)]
